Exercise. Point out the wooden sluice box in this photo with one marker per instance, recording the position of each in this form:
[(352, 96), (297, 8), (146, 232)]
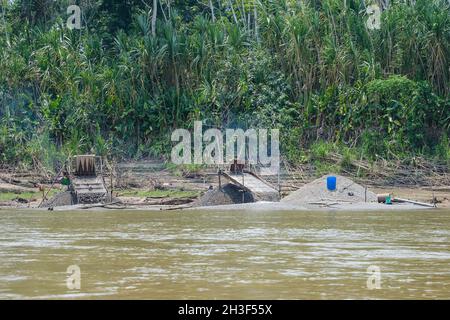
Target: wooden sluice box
[(87, 180)]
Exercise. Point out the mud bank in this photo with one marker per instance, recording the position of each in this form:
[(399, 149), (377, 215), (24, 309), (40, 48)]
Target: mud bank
[(282, 206), (257, 207)]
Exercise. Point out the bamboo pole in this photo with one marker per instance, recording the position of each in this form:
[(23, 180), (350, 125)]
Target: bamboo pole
[(51, 186)]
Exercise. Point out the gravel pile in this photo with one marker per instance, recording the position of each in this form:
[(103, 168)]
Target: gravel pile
[(347, 191), (59, 200), (228, 194)]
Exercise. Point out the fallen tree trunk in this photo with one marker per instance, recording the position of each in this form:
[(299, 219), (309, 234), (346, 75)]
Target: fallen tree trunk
[(170, 201), (8, 187), (101, 205), (181, 207)]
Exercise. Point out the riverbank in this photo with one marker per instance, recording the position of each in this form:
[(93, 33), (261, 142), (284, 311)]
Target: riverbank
[(152, 185)]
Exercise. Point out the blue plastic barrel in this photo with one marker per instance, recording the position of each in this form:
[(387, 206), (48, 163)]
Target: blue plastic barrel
[(331, 183)]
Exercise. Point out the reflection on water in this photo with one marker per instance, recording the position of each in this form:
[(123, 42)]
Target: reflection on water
[(228, 255)]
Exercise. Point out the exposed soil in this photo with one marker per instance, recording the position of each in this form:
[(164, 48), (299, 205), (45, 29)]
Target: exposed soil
[(298, 185), (12, 188)]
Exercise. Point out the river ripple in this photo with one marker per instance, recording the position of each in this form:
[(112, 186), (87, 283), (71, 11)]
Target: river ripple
[(225, 255)]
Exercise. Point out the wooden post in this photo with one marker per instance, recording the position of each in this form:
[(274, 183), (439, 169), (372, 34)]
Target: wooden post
[(111, 181), (434, 198), (243, 183), (279, 186)]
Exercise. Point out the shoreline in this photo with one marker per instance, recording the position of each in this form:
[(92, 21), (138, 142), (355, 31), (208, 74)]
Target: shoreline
[(151, 186), (248, 207), (141, 204)]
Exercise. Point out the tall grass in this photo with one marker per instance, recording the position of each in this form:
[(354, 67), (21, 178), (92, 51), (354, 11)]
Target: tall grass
[(308, 67)]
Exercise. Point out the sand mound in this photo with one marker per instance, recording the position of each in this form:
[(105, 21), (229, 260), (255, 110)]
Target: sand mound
[(228, 194), (347, 191)]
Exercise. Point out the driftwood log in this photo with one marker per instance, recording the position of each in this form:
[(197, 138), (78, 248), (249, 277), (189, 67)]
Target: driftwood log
[(423, 204)]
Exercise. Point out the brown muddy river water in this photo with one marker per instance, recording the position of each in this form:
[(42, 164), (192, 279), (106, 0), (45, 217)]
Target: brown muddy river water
[(225, 254)]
